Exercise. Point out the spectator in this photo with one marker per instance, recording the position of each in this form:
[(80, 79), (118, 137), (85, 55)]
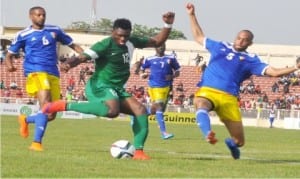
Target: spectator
[(241, 103), (69, 96), (251, 87), (186, 103), (6, 95), (283, 79), (242, 88), (30, 102), (82, 76), (180, 87), (69, 88), (275, 87), (2, 85), (253, 103), (265, 98), (286, 87), (177, 102), (71, 82), (294, 81), (248, 105), (174, 54), (81, 96), (13, 85), (257, 89), (198, 59), (19, 93)]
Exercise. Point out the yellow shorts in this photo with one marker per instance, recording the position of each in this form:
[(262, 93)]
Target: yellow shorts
[(225, 105), (159, 94), (43, 81)]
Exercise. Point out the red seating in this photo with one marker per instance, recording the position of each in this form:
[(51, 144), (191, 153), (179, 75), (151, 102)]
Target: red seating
[(189, 77)]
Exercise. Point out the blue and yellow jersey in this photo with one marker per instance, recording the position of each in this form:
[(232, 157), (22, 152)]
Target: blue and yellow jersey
[(160, 67), (40, 47), (227, 68)]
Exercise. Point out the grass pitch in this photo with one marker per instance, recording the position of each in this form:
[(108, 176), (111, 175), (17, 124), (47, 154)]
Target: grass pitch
[(80, 149)]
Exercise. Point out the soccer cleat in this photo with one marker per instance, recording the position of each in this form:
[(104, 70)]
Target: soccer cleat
[(24, 131), (210, 138), (55, 106), (166, 136), (36, 146), (235, 151), (140, 155)]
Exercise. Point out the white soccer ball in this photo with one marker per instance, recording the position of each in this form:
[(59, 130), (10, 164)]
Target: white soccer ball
[(122, 149)]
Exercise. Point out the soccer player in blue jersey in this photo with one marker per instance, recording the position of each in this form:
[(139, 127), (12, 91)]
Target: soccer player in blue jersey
[(39, 42), (230, 64), (163, 69)]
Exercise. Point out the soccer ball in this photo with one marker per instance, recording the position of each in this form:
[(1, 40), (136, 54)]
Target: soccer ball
[(122, 149)]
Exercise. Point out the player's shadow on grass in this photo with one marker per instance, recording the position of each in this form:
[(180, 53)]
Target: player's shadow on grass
[(274, 161), (199, 158), (195, 156)]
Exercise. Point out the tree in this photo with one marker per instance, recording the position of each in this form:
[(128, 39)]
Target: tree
[(79, 25), (104, 27)]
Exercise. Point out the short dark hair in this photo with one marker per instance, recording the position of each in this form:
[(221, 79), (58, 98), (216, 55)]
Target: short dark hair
[(122, 23), (249, 32), (35, 8)]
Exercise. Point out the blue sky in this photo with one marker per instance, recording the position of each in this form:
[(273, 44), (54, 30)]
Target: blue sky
[(272, 22)]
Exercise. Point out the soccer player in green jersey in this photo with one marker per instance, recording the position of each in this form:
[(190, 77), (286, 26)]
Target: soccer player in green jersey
[(105, 89)]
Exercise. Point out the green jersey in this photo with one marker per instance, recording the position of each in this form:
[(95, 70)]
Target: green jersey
[(112, 61)]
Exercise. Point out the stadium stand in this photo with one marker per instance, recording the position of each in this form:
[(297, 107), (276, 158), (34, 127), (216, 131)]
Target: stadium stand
[(276, 55)]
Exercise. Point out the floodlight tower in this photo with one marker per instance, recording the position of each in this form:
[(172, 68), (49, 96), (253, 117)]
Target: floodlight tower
[(94, 12)]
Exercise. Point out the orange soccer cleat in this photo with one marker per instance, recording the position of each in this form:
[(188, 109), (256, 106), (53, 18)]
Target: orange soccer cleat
[(140, 155), (210, 138), (36, 146), (24, 131)]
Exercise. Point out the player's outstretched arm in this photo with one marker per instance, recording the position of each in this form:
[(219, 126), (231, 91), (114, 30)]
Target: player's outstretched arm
[(73, 62), (195, 27), (76, 48), (275, 72), (9, 62), (163, 35)]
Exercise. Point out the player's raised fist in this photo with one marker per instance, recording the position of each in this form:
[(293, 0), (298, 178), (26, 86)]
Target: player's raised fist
[(169, 17), (190, 8)]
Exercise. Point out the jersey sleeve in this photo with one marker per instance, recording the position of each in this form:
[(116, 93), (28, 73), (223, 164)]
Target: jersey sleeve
[(210, 45), (139, 42), (146, 64), (175, 64), (64, 38), (16, 44), (257, 67), (97, 50)]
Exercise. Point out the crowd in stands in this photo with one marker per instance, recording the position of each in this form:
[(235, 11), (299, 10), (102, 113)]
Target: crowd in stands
[(181, 100), (13, 90), (286, 98), (179, 96)]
